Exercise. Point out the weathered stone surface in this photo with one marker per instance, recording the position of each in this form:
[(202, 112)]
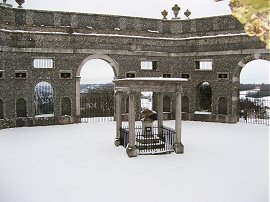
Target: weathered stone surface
[(123, 42)]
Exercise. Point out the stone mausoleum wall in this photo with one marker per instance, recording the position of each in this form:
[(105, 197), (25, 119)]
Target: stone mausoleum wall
[(70, 39)]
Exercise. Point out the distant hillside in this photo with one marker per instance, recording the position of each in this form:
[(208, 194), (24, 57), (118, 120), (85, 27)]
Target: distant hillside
[(256, 90)]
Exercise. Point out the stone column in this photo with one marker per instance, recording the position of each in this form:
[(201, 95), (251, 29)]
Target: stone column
[(160, 110), (118, 99), (178, 146), (131, 148)]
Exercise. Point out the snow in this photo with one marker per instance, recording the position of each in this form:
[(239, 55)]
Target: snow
[(127, 36), (44, 115), (202, 112), (153, 31), (79, 162), (151, 79)]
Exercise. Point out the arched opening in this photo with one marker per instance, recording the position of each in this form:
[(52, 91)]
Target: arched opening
[(1, 109), (205, 97), (127, 104), (65, 106), (21, 109), (254, 102), (96, 88), (167, 104), (43, 98), (185, 104), (222, 106)]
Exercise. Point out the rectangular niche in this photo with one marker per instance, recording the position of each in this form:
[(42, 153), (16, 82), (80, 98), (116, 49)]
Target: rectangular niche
[(167, 75), (130, 74), (223, 76), (21, 74), (65, 74), (43, 63), (185, 76)]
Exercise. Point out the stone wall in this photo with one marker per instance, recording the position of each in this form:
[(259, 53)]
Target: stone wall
[(70, 38)]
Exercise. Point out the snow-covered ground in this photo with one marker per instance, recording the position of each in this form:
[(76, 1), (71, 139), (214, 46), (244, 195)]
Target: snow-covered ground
[(79, 163)]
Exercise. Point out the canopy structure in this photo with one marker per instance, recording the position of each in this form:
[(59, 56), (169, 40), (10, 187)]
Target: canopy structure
[(131, 86)]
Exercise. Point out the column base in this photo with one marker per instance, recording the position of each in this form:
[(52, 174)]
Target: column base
[(131, 151), (178, 148), (117, 142)]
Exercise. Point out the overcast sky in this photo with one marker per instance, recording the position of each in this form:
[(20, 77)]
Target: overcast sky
[(255, 72)]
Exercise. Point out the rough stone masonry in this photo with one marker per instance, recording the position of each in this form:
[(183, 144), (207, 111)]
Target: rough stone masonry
[(209, 50)]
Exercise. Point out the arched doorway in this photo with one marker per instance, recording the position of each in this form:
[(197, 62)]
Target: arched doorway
[(254, 93), (205, 97), (95, 92)]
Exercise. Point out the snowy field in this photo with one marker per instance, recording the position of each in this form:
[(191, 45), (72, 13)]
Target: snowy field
[(79, 163)]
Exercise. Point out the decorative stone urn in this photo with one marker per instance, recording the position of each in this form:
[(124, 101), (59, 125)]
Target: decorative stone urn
[(176, 10), (164, 13), (187, 13), (20, 2)]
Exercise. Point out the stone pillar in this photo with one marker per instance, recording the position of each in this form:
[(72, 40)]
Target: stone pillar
[(178, 146), (78, 101), (118, 99), (131, 148), (160, 109)]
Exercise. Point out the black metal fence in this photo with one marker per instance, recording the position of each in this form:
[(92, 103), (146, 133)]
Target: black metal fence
[(97, 107), (151, 140), (255, 110)]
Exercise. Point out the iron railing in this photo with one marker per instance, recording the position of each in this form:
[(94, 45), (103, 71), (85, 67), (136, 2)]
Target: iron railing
[(255, 110), (97, 107), (151, 140)]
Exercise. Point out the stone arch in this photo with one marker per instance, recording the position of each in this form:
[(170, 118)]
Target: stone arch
[(185, 104), (43, 93), (204, 96), (222, 106), (21, 108), (106, 58), (247, 59), (1, 109), (66, 106), (167, 103)]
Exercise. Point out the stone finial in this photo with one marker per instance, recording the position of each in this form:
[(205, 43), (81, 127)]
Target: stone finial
[(176, 10), (187, 13), (164, 13), (20, 2)]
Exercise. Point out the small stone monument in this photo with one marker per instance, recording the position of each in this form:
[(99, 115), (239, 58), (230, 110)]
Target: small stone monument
[(147, 122)]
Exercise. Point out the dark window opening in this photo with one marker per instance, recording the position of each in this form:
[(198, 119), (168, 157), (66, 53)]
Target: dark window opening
[(222, 106), (20, 75), (21, 109), (222, 76), (185, 104), (205, 96), (65, 106), (1, 109), (130, 75), (167, 75), (185, 76), (65, 75), (166, 104)]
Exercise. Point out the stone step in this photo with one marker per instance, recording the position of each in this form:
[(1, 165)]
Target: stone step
[(150, 146), (148, 141)]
